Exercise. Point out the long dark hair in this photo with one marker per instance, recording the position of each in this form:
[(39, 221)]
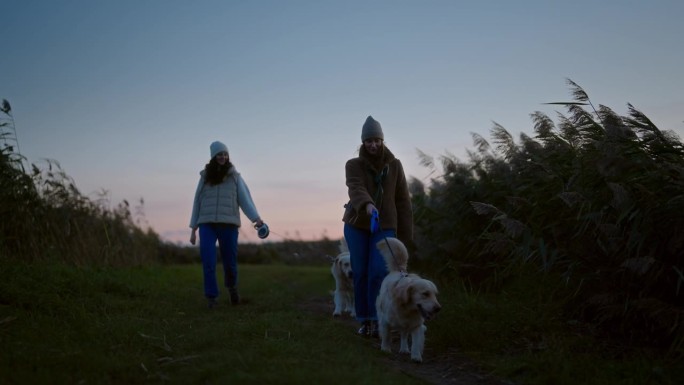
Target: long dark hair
[(215, 173)]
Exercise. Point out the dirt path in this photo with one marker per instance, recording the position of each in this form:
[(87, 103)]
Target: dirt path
[(449, 369)]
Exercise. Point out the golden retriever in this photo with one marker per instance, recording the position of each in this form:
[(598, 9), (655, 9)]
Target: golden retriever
[(344, 285), (405, 301)]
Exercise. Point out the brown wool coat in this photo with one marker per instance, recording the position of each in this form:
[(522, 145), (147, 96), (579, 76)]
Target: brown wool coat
[(395, 206)]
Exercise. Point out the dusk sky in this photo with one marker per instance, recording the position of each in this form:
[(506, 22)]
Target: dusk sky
[(128, 95)]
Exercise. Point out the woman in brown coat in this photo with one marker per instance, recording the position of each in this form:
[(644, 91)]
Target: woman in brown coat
[(376, 183)]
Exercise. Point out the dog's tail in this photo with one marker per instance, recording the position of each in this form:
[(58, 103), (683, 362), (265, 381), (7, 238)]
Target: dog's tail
[(343, 246), (395, 254)]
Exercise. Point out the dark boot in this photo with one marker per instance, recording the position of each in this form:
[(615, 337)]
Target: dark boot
[(211, 303), (234, 296), (374, 332)]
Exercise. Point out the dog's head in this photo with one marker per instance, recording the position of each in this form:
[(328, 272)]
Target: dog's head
[(422, 294), (342, 266)]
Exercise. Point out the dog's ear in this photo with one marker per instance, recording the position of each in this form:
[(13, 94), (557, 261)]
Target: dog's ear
[(404, 292), (408, 293), (330, 258)]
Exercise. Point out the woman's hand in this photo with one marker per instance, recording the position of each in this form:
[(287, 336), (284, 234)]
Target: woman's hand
[(193, 236), (370, 208)]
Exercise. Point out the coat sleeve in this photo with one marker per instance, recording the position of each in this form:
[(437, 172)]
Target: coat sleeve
[(245, 200), (356, 186), (196, 203)]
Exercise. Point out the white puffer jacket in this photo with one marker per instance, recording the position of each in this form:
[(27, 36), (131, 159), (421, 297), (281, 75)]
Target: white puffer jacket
[(221, 203)]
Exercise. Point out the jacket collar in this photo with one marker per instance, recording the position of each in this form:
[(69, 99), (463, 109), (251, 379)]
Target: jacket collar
[(376, 164)]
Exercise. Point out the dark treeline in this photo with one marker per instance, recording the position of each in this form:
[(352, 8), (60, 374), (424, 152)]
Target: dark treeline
[(595, 200)]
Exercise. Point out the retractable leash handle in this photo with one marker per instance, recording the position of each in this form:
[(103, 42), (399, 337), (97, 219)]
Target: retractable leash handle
[(374, 222), (262, 231)]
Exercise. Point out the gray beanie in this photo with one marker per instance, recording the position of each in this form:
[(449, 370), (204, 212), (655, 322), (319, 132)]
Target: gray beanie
[(371, 129), (217, 147)]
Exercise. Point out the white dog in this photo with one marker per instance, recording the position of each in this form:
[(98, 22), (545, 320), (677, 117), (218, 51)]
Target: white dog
[(344, 285), (405, 301)]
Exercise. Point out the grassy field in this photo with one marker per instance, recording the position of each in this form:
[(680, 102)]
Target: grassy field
[(151, 325), (61, 324)]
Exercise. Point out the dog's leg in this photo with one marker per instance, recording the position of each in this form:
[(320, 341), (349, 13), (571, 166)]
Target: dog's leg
[(385, 339), (417, 343), (404, 344), (350, 304), (338, 304)]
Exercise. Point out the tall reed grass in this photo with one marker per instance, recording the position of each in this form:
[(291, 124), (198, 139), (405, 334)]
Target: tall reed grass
[(596, 199), (45, 216)]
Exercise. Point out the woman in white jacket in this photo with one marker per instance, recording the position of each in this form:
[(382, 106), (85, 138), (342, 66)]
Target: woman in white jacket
[(221, 193)]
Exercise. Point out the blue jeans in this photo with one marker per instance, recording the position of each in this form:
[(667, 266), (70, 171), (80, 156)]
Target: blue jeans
[(369, 268), (227, 236)]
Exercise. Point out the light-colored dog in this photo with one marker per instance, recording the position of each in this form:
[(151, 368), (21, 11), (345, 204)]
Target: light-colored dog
[(344, 284), (405, 301)]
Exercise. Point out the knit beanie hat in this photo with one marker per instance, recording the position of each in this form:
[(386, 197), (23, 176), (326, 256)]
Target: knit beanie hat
[(217, 147), (371, 129)]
